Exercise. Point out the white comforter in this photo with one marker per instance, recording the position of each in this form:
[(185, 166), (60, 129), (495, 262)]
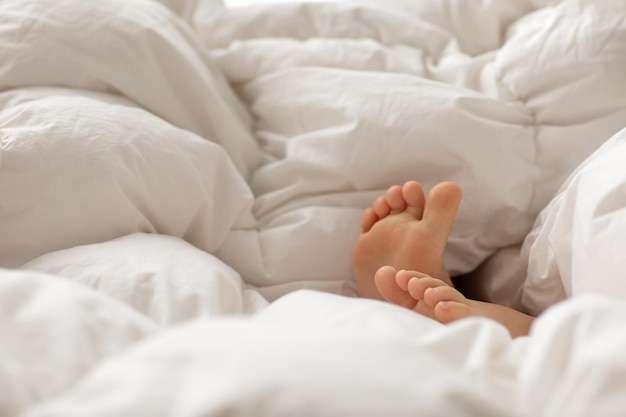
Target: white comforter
[(181, 185)]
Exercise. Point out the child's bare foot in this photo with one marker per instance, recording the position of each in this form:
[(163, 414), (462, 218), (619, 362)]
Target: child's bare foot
[(434, 298), (407, 231)]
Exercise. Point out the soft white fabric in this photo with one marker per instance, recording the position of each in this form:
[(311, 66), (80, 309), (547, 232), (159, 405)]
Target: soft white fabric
[(431, 111), (577, 244), (322, 355), (52, 332), (136, 49), (109, 169), (166, 163), (162, 277)]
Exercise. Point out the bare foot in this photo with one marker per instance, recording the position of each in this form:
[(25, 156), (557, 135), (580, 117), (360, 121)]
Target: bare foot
[(407, 231), (434, 298)]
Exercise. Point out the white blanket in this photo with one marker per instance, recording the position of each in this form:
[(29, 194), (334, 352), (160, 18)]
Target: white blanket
[(181, 185)]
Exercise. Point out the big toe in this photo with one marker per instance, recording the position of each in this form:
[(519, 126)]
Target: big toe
[(442, 204)]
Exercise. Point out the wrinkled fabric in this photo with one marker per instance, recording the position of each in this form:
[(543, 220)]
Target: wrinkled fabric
[(181, 184)]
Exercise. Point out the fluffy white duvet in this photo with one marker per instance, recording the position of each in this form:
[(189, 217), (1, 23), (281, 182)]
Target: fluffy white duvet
[(181, 185)]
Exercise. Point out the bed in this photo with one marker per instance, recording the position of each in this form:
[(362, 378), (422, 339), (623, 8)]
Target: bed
[(181, 184)]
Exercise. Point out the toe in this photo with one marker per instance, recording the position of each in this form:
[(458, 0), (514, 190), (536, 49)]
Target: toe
[(449, 311), (435, 295), (442, 204), (381, 207), (417, 286), (385, 279), (413, 194), (404, 277), (395, 199), (368, 218)]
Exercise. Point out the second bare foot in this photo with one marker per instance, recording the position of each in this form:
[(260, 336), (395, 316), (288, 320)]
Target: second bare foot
[(436, 299)]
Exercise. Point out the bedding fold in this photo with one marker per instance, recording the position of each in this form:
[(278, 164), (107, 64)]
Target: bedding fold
[(136, 49), (82, 167)]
